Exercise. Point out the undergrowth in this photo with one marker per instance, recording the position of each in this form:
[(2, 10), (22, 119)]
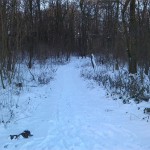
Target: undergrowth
[(119, 83)]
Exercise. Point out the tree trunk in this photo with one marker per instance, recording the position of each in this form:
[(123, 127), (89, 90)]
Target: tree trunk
[(132, 30), (130, 36)]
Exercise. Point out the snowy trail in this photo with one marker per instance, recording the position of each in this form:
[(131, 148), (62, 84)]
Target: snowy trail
[(71, 116)]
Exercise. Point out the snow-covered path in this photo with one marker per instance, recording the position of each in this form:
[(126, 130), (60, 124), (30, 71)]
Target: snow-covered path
[(71, 116)]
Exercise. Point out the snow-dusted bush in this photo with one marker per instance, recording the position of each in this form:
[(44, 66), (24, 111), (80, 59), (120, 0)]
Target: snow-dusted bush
[(119, 82), (44, 78), (45, 73), (23, 80), (7, 106)]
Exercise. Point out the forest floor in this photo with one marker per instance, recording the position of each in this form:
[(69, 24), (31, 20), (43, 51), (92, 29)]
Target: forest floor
[(71, 113)]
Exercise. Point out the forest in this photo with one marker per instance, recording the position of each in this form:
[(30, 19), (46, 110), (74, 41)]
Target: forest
[(74, 74), (39, 28), (117, 30)]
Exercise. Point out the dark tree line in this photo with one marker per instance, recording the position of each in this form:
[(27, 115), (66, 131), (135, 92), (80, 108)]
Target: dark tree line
[(42, 28)]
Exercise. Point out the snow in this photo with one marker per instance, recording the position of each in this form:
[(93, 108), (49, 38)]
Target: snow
[(70, 113)]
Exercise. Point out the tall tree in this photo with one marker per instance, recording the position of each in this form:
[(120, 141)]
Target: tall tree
[(130, 35)]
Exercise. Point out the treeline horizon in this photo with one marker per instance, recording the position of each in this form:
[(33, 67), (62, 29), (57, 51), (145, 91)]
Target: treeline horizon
[(119, 29)]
